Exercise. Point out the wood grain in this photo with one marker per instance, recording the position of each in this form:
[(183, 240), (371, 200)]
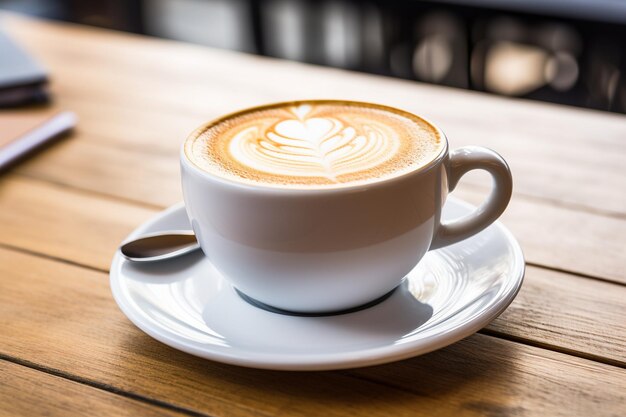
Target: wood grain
[(560, 154), (568, 313), (57, 222), (30, 393), (562, 237), (123, 173), (44, 305), (555, 309)]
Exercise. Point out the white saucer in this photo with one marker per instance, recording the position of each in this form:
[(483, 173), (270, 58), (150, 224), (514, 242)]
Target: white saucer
[(452, 293)]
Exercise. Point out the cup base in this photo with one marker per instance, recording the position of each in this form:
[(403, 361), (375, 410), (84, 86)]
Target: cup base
[(276, 310)]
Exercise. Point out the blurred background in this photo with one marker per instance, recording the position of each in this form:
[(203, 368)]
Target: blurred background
[(563, 51)]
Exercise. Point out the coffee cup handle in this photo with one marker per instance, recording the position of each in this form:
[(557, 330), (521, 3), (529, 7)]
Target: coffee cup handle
[(460, 162)]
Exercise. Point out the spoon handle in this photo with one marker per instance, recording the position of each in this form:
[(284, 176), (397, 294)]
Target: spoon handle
[(159, 246)]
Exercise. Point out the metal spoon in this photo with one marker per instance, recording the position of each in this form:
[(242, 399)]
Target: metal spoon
[(160, 246)]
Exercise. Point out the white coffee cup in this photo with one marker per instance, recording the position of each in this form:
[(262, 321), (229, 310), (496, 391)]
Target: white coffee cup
[(323, 250)]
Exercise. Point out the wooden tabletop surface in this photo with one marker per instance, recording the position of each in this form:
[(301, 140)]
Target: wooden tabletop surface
[(65, 347)]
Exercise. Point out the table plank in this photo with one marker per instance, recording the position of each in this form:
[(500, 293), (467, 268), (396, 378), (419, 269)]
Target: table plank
[(563, 238), (46, 304), (560, 154), (129, 174), (568, 313), (61, 223), (28, 392), (554, 309)]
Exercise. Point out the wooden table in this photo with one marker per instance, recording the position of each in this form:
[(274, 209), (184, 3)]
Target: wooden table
[(65, 347)]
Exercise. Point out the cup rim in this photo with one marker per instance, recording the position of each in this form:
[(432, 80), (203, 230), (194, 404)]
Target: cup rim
[(280, 189)]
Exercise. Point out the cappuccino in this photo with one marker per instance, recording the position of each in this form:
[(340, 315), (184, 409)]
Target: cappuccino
[(314, 144)]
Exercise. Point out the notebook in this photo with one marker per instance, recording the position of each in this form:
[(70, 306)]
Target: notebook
[(23, 131), (22, 79)]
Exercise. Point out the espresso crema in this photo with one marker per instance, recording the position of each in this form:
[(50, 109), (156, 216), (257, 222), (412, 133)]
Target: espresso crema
[(314, 144)]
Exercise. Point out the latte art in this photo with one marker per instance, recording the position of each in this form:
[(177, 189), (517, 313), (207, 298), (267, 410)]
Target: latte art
[(309, 146), (314, 144)]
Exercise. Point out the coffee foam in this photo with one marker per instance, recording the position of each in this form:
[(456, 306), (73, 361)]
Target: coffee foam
[(317, 144)]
